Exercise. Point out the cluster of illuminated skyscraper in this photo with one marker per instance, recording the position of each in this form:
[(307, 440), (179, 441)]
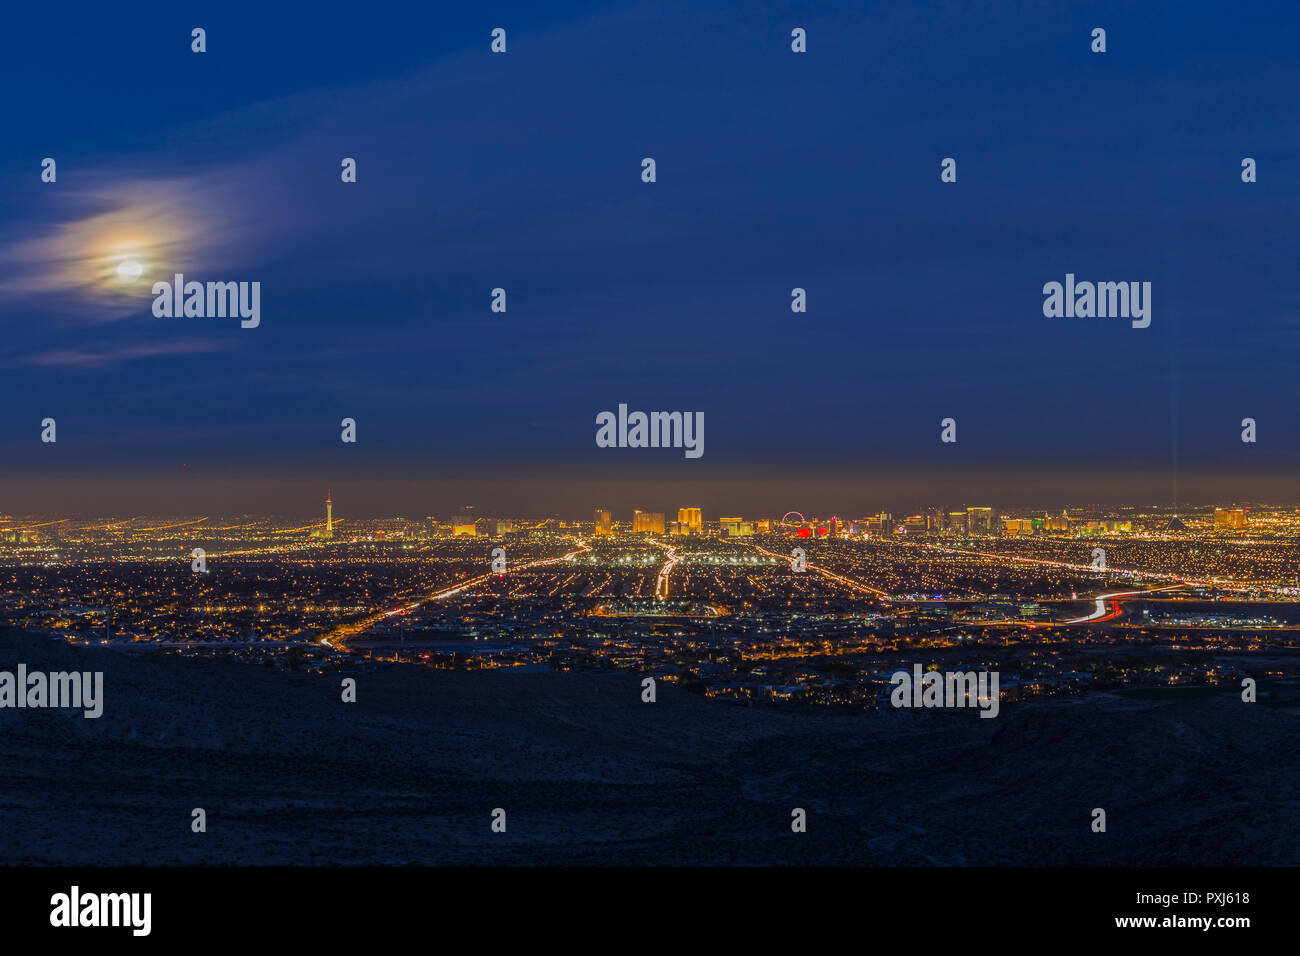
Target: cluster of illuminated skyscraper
[(978, 520)]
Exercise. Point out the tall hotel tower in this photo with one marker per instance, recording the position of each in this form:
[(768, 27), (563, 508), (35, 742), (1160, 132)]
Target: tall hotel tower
[(329, 514), (691, 520)]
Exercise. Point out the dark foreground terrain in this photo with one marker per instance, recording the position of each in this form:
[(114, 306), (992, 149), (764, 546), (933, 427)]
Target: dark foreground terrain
[(588, 774)]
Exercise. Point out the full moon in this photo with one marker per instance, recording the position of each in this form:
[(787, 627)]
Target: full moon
[(130, 269)]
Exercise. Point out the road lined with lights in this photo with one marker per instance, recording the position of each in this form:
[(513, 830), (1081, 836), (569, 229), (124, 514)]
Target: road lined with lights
[(1225, 584), (1101, 614), (837, 578), (661, 585), (338, 638)]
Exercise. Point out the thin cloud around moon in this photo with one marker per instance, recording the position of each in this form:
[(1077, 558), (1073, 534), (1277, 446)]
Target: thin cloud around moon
[(101, 266)]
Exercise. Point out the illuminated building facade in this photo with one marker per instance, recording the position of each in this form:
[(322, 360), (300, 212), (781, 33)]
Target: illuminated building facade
[(692, 519), (465, 523), (1229, 519), (736, 527), (979, 520), (647, 522)]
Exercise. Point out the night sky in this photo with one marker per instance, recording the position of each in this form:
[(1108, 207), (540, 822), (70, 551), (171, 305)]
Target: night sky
[(523, 171)]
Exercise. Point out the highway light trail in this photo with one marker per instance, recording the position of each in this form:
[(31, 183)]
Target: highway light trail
[(338, 638), (308, 527), (166, 527), (1101, 614), (1070, 566), (661, 585), (837, 578), (43, 524)]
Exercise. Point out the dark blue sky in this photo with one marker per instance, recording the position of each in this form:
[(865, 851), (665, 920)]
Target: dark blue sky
[(775, 170)]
